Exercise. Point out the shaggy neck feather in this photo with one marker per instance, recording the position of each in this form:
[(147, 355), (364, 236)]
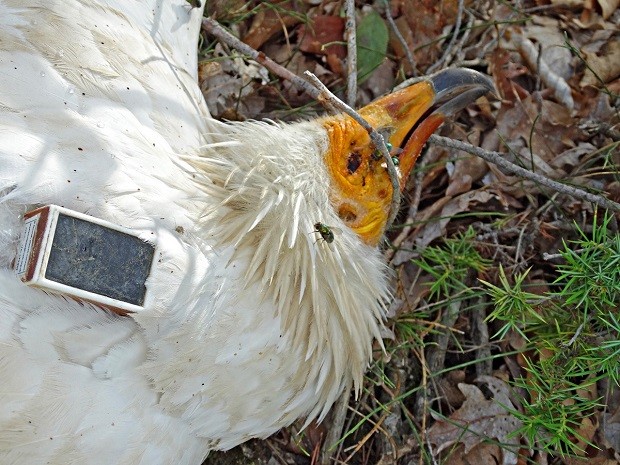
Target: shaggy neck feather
[(265, 194)]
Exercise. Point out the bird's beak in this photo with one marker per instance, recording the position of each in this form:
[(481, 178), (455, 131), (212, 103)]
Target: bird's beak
[(361, 187)]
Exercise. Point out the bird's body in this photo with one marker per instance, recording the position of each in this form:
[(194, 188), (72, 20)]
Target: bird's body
[(104, 130), (251, 323)]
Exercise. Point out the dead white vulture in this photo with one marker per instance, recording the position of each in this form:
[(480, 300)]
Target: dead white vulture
[(247, 322)]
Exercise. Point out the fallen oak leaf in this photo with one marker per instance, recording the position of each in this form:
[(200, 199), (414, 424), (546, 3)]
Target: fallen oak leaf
[(323, 36), (463, 173), (608, 7), (504, 70), (549, 32), (604, 68), (268, 23), (479, 419)]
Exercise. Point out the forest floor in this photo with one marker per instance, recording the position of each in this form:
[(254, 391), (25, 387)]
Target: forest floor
[(504, 343)]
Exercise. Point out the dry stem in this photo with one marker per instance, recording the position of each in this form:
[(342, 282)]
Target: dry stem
[(214, 28), (499, 160), (401, 39), (455, 32), (349, 8)]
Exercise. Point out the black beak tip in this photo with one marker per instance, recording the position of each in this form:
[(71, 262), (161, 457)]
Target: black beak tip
[(453, 81), (455, 88)]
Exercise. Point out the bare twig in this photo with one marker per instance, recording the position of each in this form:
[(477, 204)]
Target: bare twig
[(213, 27), (463, 40), (481, 334), (455, 32), (437, 353), (422, 404), (377, 139), (401, 39), (431, 451), (497, 159), (334, 433), (376, 427), (349, 8), (593, 127)]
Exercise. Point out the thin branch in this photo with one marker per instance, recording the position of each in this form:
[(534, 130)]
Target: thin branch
[(455, 32), (375, 137), (215, 29), (349, 8), (499, 160), (481, 334), (458, 50), (334, 432), (401, 39)]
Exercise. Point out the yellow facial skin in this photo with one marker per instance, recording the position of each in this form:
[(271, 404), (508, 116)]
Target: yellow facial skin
[(361, 187)]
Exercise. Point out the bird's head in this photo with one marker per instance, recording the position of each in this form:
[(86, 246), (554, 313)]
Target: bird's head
[(361, 187), (302, 207)]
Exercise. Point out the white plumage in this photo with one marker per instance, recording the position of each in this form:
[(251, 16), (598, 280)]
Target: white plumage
[(250, 324), (99, 110)]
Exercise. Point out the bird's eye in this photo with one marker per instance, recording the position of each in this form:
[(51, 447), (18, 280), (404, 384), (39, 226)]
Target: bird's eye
[(354, 161)]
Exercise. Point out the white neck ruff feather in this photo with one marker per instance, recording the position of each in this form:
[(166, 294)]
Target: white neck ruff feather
[(265, 194)]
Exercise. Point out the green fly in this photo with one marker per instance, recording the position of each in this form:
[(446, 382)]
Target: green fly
[(326, 232)]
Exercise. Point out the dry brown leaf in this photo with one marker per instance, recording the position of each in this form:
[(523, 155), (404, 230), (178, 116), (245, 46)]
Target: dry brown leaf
[(324, 36), (206, 69), (571, 158), (538, 64), (608, 7), (464, 172), (600, 459), (587, 429), (606, 65), (381, 81), (548, 125), (448, 388), (224, 9), (610, 423), (225, 86), (485, 454), (480, 419), (423, 24), (549, 33), (504, 69), (266, 23), (463, 202), (482, 454)]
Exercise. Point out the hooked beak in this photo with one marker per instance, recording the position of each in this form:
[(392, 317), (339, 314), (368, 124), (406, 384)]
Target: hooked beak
[(361, 188)]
